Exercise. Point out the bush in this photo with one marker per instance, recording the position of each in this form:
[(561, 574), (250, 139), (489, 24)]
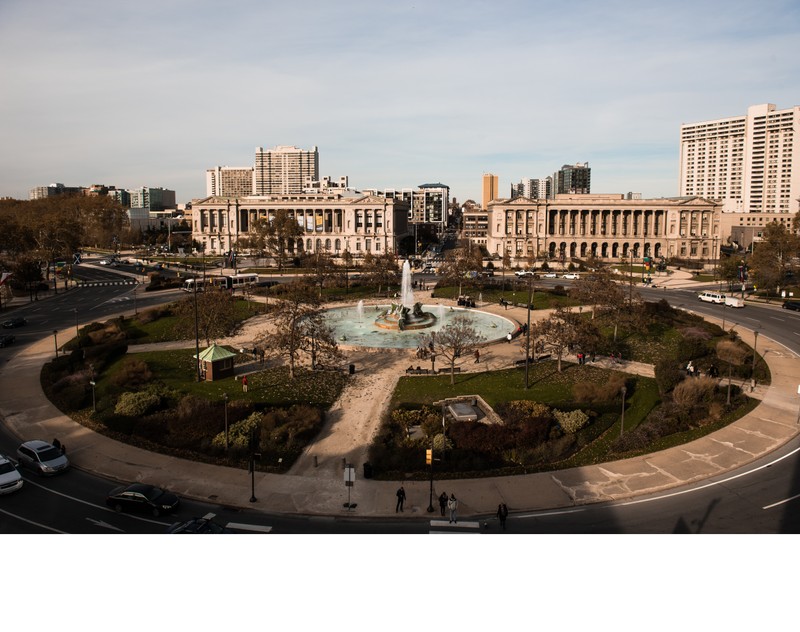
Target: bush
[(137, 404), (691, 393), (133, 374), (668, 374), (593, 393), (571, 421)]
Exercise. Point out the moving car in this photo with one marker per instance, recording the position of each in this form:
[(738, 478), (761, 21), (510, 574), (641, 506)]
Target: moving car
[(712, 297), (17, 321), (571, 275), (10, 478), (550, 275), (525, 273), (733, 301), (42, 457), (793, 305), (6, 340), (141, 497)]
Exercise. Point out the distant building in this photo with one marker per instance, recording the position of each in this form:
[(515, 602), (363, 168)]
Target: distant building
[(284, 170), (533, 188), (326, 185), (57, 188), (573, 179), (427, 204), (152, 199), (751, 163), (332, 223), (232, 181), (491, 189)]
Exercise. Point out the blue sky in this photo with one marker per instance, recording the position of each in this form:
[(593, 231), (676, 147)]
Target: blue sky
[(394, 94)]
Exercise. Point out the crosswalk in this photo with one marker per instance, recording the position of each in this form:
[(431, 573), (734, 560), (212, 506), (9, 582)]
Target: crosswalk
[(104, 283), (462, 526)]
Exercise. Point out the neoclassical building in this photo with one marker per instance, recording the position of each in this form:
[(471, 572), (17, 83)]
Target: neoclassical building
[(604, 226), (331, 222)]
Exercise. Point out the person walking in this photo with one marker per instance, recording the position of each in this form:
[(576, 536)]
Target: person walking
[(477, 356), (401, 498), (244, 383), (452, 506), (443, 502), (502, 514)]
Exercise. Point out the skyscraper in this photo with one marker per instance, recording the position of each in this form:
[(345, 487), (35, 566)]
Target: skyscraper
[(491, 190), (230, 181), (283, 170), (748, 162), (573, 179)]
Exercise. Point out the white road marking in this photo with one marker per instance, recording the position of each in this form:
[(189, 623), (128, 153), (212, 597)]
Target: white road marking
[(105, 525), (41, 526), (248, 527)]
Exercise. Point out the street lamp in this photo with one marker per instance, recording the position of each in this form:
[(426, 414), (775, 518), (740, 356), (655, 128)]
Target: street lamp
[(623, 390), (77, 334), (94, 401), (528, 332), (755, 355), (55, 339), (225, 405)]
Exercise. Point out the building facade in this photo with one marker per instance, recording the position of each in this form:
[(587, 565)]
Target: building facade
[(573, 179), (533, 188), (229, 181), (427, 204), (490, 190), (331, 223), (152, 199), (284, 169), (604, 226), (748, 162)]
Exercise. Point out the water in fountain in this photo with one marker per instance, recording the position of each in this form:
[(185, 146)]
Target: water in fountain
[(406, 293), (360, 309)]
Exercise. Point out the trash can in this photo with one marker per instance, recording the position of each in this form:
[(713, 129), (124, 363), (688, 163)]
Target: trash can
[(367, 470), (352, 369)]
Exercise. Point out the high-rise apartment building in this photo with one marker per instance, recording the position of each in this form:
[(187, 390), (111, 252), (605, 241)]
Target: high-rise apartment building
[(491, 189), (229, 181), (152, 199), (533, 188), (283, 170), (750, 163), (427, 204), (573, 179)]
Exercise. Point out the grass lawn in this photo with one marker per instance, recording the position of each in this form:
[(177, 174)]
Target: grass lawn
[(542, 299)]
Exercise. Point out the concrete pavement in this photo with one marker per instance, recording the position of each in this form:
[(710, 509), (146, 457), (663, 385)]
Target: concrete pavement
[(28, 414)]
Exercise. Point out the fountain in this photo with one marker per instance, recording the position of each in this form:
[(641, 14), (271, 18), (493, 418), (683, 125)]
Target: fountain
[(406, 314), (360, 309)]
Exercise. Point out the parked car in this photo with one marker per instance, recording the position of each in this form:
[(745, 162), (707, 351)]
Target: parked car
[(793, 305), (197, 525), (428, 270), (550, 275), (6, 340), (571, 275), (143, 498), (42, 457), (525, 273), (10, 478), (104, 262), (12, 323)]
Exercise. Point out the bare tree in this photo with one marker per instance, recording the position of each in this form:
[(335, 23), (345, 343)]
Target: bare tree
[(734, 354), (215, 312), (455, 340), (598, 289), (563, 329)]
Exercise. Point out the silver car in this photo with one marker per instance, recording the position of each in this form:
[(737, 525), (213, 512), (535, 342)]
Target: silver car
[(10, 478), (42, 457)]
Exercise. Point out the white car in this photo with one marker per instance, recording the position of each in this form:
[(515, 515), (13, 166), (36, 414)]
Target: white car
[(571, 275), (103, 262), (524, 273), (10, 478), (550, 275)]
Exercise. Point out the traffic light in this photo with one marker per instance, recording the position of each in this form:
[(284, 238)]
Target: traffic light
[(429, 456)]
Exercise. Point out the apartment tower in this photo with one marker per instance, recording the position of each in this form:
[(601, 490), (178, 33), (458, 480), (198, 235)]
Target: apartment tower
[(748, 162), (284, 170), (491, 190)]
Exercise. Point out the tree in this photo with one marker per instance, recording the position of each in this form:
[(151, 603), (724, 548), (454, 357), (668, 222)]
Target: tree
[(278, 231), (598, 289), (459, 262), (381, 270), (732, 353), (773, 256), (298, 327), (563, 329), (455, 340), (215, 314), (322, 267)]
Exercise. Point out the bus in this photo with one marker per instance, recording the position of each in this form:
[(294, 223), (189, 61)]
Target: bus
[(189, 284), (236, 281)]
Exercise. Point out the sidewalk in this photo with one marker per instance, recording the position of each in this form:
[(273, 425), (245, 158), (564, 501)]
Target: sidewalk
[(28, 414)]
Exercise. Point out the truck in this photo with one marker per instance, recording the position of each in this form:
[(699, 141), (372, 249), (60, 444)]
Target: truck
[(733, 301)]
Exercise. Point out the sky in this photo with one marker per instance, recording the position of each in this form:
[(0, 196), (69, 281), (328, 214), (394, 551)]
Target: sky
[(394, 94)]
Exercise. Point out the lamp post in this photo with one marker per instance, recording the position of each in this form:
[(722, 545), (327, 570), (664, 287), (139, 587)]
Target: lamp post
[(755, 355), (135, 310), (430, 493), (528, 332), (77, 334), (225, 405), (55, 340), (623, 390), (94, 401), (196, 335)]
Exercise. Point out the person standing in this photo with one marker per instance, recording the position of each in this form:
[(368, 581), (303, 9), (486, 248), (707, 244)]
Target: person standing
[(443, 502), (452, 506), (401, 498), (502, 514), (244, 383)]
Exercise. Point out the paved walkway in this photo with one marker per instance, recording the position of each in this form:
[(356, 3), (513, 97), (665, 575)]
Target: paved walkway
[(320, 490)]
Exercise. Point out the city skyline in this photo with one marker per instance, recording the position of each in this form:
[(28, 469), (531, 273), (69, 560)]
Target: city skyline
[(157, 93)]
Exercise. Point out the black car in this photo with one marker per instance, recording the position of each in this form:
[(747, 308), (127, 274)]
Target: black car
[(143, 498), (6, 340), (795, 305), (17, 321), (197, 525)]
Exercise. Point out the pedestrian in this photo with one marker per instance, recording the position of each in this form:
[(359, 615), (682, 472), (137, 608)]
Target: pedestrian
[(443, 502), (401, 498), (502, 514), (452, 506), (477, 356), (56, 444), (244, 383), (508, 338)]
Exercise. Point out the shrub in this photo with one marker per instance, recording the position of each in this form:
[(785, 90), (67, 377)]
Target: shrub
[(690, 393), (593, 393), (239, 433), (571, 421), (133, 374), (137, 404), (668, 374)]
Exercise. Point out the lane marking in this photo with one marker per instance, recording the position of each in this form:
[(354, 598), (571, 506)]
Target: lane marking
[(41, 526), (248, 527), (781, 502)]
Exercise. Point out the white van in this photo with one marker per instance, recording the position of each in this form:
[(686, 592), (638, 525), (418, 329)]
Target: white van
[(733, 301), (712, 297)]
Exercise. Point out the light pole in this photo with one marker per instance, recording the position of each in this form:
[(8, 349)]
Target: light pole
[(76, 323), (55, 340), (135, 310), (755, 355), (225, 405), (623, 390), (528, 332), (196, 335), (94, 401), (430, 493)]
